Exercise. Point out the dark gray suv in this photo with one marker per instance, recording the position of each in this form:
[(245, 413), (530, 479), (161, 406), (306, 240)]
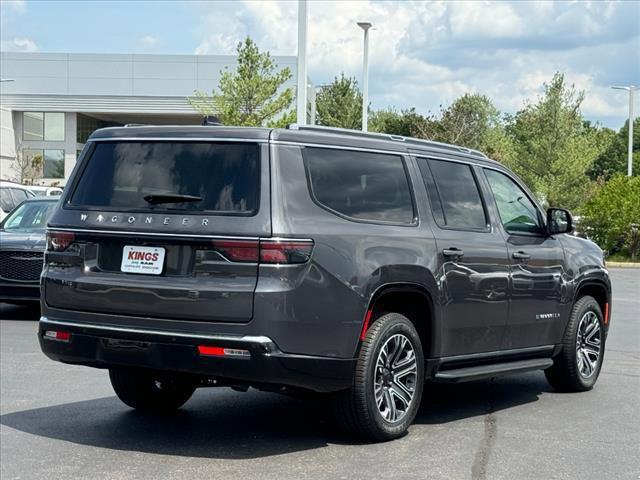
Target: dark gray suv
[(311, 259)]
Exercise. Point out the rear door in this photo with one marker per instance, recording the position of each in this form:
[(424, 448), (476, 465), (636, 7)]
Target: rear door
[(472, 258), (538, 289), (163, 229)]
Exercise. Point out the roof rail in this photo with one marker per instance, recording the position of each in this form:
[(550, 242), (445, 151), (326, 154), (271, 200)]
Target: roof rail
[(386, 136)]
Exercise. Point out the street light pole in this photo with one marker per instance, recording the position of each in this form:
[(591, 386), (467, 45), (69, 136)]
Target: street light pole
[(631, 89), (301, 95), (365, 75)]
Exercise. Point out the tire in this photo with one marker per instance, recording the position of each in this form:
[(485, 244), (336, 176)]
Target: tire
[(357, 409), (144, 390), (571, 372)]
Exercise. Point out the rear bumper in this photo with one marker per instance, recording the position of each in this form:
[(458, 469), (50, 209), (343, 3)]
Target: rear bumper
[(19, 292), (105, 347)]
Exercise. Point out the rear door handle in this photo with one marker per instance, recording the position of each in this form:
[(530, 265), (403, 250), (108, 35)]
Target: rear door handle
[(452, 252), (521, 255)]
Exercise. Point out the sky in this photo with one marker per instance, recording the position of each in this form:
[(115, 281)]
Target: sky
[(422, 54)]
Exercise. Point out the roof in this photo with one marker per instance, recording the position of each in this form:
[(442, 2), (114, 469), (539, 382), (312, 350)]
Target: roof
[(53, 198), (307, 134)]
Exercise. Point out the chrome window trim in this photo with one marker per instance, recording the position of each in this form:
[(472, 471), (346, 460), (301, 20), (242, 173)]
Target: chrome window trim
[(179, 139), (338, 147)]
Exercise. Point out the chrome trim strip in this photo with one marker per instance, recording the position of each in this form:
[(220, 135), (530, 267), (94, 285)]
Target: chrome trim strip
[(467, 158), (338, 147), (150, 234), (180, 139), (183, 235), (264, 341)]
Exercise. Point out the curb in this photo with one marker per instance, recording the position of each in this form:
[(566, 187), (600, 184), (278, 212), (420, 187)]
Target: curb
[(623, 265)]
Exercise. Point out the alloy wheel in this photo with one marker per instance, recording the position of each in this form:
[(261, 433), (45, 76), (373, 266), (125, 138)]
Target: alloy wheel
[(588, 344), (395, 378)]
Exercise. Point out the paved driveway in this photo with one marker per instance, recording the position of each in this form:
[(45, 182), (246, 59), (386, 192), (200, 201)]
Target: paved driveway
[(65, 422)]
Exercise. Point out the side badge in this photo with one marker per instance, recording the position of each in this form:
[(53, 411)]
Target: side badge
[(83, 217)]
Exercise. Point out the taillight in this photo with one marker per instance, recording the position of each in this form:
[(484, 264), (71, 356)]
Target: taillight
[(59, 241), (238, 250), (285, 251), (268, 251)]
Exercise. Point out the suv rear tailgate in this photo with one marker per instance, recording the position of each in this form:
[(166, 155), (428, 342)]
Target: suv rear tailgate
[(200, 256)]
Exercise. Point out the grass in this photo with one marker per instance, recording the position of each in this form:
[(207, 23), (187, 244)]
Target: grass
[(620, 257)]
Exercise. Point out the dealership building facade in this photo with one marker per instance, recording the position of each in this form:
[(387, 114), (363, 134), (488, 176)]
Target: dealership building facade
[(52, 102)]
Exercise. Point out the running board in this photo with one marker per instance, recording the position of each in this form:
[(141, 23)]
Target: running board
[(468, 374)]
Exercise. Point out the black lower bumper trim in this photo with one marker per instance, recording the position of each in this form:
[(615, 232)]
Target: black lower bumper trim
[(163, 352), (10, 292)]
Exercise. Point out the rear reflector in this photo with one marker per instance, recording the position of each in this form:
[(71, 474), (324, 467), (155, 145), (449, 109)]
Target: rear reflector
[(56, 335), (208, 351), (365, 325), (269, 251), (606, 313)]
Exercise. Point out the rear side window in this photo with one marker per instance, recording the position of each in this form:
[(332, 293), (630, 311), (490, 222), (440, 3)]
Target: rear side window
[(360, 185), (6, 202), (119, 175), (456, 200)]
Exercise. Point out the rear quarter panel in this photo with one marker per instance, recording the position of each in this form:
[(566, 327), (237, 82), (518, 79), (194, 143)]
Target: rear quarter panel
[(320, 309)]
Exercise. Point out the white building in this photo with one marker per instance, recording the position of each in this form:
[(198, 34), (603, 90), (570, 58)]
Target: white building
[(52, 102)]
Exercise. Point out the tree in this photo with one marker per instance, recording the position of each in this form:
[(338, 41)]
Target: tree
[(407, 123), (614, 158), (25, 167), (467, 121), (610, 214), (252, 95), (553, 148), (339, 104)]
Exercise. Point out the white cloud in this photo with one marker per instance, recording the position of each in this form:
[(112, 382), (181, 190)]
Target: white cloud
[(22, 45), (19, 6), (149, 41), (425, 54)]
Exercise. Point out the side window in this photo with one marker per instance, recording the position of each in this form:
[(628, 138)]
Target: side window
[(517, 212), (434, 198), (458, 202), (361, 185), (6, 202), (19, 195)]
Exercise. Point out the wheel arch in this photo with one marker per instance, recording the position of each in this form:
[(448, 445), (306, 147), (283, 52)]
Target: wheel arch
[(599, 291), (412, 300)]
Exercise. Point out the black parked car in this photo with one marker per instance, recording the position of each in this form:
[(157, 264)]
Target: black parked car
[(22, 244), (314, 259)]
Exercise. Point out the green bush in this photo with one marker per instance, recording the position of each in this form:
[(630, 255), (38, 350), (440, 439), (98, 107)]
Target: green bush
[(610, 213)]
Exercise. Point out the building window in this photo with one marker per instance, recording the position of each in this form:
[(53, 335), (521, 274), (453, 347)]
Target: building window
[(43, 163), (33, 161), (87, 125), (54, 126), (53, 164), (33, 126), (40, 126)]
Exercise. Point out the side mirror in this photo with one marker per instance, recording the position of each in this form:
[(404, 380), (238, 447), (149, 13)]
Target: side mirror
[(559, 220)]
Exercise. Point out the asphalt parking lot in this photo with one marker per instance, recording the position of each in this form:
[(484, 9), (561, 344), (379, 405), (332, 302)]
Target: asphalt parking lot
[(62, 421)]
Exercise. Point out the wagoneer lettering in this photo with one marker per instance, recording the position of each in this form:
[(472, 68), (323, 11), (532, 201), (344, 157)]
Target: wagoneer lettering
[(316, 260)]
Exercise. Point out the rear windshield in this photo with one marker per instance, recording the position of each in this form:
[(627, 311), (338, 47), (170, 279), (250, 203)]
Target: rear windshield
[(119, 175)]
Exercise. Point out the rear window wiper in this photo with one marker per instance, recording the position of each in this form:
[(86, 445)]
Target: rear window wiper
[(171, 198)]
